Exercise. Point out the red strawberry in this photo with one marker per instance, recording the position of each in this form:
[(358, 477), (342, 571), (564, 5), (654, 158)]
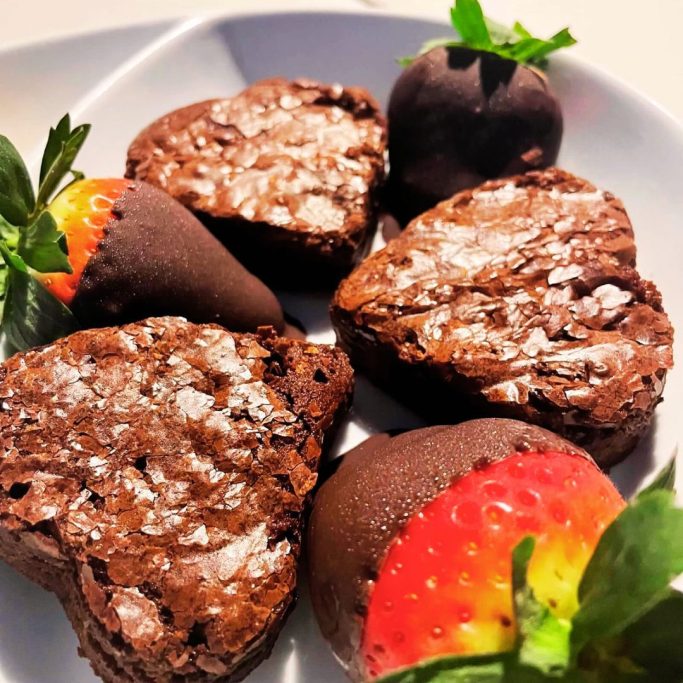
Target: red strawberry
[(444, 586), (489, 548)]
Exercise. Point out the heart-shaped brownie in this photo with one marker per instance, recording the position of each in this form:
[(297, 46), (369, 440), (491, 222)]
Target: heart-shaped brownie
[(154, 477), (284, 173), (519, 298)]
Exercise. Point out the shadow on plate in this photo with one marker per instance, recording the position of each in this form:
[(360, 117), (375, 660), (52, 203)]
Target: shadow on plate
[(301, 653), (37, 642), (323, 41), (312, 309), (630, 475)]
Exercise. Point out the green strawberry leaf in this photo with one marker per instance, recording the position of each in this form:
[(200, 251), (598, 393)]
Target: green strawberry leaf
[(499, 33), (4, 270), (9, 233), (12, 259), (56, 137), (17, 201), (519, 31), (544, 640), (478, 32), (31, 241), (468, 20), (532, 50), (43, 246), (31, 315), (63, 144), (636, 559), (482, 669), (4, 273), (655, 641), (665, 479)]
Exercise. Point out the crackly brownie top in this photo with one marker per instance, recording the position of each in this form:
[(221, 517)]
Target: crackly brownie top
[(298, 155), (170, 461), (522, 291)]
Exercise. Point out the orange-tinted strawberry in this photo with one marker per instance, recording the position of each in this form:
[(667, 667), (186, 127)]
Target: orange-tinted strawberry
[(82, 212), (445, 584)]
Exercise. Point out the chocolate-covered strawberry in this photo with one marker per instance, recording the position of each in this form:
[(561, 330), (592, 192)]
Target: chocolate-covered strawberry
[(490, 547), (469, 110), (108, 251)]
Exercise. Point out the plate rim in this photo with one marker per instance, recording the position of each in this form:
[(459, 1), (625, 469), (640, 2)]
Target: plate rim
[(181, 25)]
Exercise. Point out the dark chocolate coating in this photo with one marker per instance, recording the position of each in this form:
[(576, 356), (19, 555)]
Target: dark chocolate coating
[(380, 485), (158, 259), (391, 228), (458, 117)]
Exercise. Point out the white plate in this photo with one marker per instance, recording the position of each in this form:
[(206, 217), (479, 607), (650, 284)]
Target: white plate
[(120, 81)]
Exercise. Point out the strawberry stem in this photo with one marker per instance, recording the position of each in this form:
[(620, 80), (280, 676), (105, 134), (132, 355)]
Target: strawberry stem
[(478, 32)]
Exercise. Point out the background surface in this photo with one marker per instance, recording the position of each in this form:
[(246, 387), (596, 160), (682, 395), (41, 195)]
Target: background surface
[(636, 41)]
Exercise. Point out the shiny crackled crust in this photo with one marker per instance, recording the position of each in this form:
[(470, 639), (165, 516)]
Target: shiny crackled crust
[(283, 164), (518, 298), (154, 477)]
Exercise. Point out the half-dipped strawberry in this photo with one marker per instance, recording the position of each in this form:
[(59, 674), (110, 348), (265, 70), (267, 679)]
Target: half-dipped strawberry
[(430, 521), (111, 251), (136, 252)]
